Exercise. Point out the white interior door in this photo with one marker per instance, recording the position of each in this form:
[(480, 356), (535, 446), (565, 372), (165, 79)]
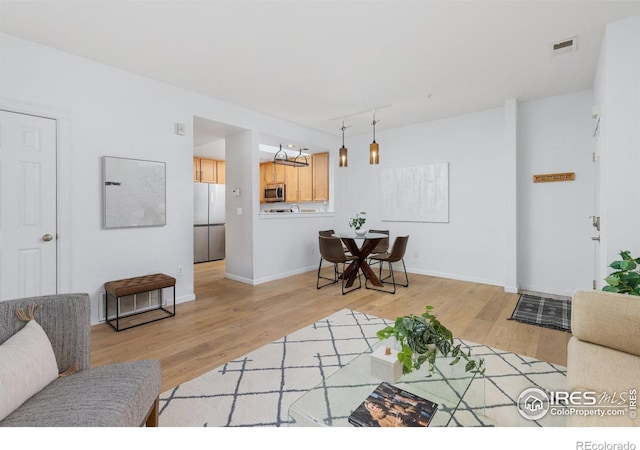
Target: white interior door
[(597, 266), (27, 205)]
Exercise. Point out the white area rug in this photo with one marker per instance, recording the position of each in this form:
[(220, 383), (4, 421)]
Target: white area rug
[(258, 388)]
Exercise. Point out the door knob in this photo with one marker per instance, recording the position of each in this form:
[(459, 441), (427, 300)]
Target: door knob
[(595, 238), (47, 237)]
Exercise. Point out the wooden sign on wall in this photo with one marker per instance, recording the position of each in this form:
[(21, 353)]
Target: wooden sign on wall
[(548, 177)]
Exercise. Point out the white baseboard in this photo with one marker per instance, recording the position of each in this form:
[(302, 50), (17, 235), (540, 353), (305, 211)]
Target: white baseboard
[(545, 292), (453, 276), (283, 275)]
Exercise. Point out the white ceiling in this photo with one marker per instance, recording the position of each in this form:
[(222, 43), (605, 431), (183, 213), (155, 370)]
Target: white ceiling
[(315, 62)]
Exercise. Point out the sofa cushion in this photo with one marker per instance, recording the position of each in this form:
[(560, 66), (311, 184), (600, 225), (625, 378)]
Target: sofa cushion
[(608, 319), (114, 395), (27, 364), (603, 370)]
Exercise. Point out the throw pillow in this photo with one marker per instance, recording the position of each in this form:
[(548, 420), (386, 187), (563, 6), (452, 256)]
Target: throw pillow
[(27, 364)]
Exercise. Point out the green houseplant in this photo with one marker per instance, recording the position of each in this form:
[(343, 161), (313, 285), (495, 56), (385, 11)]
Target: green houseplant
[(357, 221), (626, 278), (421, 338)]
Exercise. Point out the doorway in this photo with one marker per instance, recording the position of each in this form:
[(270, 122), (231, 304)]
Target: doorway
[(209, 192)]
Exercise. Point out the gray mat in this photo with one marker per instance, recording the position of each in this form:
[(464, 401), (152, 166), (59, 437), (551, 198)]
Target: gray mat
[(544, 312)]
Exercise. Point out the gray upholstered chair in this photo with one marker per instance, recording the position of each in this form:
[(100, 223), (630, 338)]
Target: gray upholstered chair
[(123, 394)]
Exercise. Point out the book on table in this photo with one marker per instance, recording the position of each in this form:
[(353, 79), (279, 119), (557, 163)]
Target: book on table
[(390, 406)]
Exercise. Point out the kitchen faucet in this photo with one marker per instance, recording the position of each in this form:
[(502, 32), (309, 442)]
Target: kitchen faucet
[(297, 207)]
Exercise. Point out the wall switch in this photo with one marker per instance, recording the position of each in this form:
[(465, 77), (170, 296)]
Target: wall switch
[(236, 192), (179, 129), (239, 211), (180, 270)]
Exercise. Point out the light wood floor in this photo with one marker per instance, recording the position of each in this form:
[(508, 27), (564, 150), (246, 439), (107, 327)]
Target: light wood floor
[(229, 319)]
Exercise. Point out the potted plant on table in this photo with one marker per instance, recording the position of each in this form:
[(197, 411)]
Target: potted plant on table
[(357, 222), (421, 338)]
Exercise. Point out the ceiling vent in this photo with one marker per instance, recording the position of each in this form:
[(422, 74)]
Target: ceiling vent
[(564, 46)]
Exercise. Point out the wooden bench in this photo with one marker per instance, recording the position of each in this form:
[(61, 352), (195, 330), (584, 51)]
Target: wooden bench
[(116, 290)]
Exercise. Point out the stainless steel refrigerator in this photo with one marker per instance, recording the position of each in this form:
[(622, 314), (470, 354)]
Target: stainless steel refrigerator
[(208, 222)]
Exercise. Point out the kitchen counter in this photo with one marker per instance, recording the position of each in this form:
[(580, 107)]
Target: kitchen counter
[(287, 214)]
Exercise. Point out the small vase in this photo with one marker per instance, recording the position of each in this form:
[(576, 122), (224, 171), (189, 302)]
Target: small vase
[(361, 232)]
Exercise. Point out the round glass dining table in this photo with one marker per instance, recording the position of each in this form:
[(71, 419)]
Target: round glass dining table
[(370, 240)]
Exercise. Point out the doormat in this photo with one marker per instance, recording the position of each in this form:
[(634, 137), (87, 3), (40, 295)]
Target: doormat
[(544, 312)]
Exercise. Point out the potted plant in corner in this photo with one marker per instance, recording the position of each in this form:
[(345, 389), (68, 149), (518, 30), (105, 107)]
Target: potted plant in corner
[(357, 222), (421, 338), (626, 278)]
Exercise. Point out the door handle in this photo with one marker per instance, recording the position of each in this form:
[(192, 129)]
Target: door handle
[(595, 238), (47, 237)]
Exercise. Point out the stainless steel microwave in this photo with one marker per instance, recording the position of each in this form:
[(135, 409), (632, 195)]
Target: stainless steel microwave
[(274, 193)]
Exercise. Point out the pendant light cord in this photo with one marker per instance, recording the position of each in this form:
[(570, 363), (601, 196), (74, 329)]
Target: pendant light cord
[(374, 125)]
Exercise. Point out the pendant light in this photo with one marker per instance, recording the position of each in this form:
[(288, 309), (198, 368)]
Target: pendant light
[(374, 153), (343, 149)]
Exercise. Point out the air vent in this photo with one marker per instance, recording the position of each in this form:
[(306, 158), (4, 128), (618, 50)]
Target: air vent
[(564, 46)]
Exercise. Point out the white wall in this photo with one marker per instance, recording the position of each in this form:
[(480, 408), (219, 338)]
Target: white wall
[(472, 245), (617, 91), (555, 251), (211, 150), (107, 111)]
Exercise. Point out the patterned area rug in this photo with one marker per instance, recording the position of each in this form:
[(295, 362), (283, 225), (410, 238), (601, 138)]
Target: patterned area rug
[(257, 389), (544, 312)]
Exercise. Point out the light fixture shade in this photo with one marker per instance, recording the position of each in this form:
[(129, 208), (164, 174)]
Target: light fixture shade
[(374, 150), (343, 156), (374, 154)]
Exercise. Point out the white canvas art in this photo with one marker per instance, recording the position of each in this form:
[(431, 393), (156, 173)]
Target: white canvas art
[(134, 193), (415, 194)]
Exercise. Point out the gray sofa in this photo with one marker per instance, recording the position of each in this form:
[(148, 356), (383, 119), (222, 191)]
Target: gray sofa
[(123, 394)]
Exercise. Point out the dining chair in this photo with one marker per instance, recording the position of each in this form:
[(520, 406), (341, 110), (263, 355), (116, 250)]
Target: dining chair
[(381, 247), (327, 233), (396, 254), (331, 251)]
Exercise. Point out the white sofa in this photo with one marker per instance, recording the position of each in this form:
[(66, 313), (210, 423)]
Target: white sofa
[(604, 353)]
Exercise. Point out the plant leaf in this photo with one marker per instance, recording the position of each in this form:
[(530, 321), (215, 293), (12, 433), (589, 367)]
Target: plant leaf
[(613, 281)]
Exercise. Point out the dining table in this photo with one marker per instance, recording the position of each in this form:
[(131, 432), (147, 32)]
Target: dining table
[(368, 242)]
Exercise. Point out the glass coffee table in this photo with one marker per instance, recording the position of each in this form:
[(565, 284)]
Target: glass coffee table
[(331, 402)]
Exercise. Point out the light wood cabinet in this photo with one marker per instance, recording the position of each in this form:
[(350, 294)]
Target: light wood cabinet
[(208, 171), (274, 173), (196, 169), (291, 181), (320, 177), (303, 184), (221, 175)]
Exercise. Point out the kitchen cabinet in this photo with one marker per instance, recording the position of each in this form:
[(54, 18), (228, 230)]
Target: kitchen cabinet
[(303, 184), (299, 181), (291, 181), (320, 177), (221, 176), (263, 169), (274, 173), (196, 169), (208, 171)]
